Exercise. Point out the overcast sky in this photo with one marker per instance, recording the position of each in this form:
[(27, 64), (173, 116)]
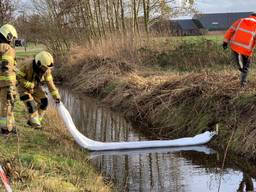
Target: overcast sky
[(219, 6)]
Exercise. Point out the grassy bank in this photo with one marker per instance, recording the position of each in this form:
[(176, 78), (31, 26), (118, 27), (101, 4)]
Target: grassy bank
[(47, 160), (30, 50), (194, 89)]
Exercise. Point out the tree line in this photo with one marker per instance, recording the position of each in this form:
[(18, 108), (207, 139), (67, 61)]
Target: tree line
[(7, 8), (63, 22)]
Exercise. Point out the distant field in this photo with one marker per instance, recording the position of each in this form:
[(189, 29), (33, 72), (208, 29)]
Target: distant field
[(31, 50), (173, 40), (217, 38)]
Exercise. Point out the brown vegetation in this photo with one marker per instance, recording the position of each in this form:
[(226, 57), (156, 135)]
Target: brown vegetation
[(166, 101), (61, 23)]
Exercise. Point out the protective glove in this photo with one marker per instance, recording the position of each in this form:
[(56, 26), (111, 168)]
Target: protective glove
[(57, 101), (30, 87), (225, 45)]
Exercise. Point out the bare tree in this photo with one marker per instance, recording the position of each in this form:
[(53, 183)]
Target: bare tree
[(6, 11), (64, 22)]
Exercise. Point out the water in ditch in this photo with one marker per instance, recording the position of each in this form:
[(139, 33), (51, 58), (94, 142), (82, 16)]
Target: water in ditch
[(187, 169)]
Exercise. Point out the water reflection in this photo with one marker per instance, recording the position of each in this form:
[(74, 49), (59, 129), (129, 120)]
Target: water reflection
[(192, 169), (91, 119), (202, 149)]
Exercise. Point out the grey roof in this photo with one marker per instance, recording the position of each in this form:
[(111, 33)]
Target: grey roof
[(219, 21), (186, 24)]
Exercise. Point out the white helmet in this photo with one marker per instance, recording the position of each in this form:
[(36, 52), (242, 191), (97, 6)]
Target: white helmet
[(45, 59), (9, 32)]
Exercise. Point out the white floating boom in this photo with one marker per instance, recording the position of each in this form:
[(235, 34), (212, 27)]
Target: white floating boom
[(92, 145)]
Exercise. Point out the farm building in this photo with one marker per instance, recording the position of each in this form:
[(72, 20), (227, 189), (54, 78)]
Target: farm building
[(218, 21), (176, 27), (199, 24), (186, 27)]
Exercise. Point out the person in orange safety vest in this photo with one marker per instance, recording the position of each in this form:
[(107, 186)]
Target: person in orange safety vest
[(241, 37)]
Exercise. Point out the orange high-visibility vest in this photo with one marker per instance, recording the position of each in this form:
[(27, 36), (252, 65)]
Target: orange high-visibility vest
[(242, 35)]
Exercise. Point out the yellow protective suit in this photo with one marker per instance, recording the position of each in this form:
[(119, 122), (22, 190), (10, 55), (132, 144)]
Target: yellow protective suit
[(7, 86), (32, 94)]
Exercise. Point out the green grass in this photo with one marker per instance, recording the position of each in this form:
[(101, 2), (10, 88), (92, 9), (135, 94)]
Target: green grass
[(31, 50), (171, 39), (47, 160), (192, 53), (215, 38)]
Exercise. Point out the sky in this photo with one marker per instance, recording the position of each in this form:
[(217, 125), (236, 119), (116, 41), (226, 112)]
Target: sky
[(219, 6), (222, 6)]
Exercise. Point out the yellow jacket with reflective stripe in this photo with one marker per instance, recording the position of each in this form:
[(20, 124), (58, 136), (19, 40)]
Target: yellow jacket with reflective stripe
[(7, 75), (26, 78)]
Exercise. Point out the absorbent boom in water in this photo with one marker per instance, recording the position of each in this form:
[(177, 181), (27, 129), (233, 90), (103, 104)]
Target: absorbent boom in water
[(92, 145)]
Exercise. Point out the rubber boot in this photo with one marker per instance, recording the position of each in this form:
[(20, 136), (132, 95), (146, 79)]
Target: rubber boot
[(34, 121), (7, 132), (243, 79), (41, 114)]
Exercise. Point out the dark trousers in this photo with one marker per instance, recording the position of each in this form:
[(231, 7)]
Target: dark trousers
[(243, 64), (246, 184)]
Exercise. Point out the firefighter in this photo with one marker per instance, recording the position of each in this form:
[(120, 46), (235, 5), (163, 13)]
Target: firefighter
[(7, 78), (241, 37), (31, 78)]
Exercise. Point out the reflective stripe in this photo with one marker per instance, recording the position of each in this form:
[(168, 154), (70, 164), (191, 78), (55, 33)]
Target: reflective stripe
[(250, 19), (249, 46), (8, 58), (8, 78), (241, 45), (3, 122), (20, 73), (49, 78), (13, 119), (55, 93), (236, 30), (28, 84), (247, 31)]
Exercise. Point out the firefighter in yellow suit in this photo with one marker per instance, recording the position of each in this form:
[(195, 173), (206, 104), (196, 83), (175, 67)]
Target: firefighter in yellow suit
[(7, 79), (31, 78)]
